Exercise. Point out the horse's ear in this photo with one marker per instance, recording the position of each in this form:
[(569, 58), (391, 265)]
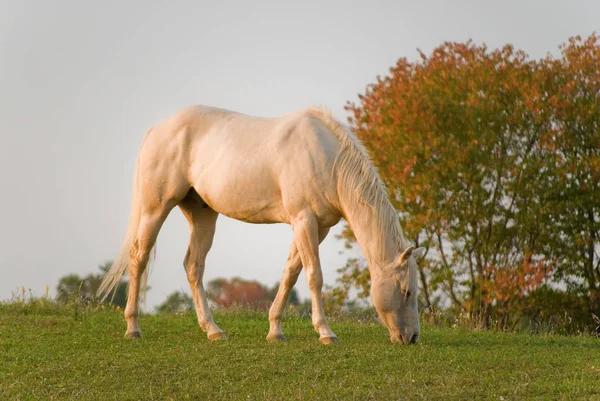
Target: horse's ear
[(403, 257), (419, 253)]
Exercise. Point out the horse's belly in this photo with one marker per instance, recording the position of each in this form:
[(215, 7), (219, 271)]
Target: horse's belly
[(256, 203), (258, 215)]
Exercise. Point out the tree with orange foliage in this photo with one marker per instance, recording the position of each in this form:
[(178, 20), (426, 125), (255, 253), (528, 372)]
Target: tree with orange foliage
[(239, 292), (488, 156), (245, 293), (574, 143)]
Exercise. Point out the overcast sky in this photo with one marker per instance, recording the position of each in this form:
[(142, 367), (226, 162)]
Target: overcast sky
[(81, 81)]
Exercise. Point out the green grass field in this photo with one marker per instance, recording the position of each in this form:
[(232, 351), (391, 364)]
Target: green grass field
[(48, 353)]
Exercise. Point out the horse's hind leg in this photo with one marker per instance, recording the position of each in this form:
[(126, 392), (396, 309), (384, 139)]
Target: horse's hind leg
[(290, 276), (202, 220), (150, 223)]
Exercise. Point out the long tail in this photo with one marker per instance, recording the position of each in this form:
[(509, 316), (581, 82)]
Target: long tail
[(120, 266)]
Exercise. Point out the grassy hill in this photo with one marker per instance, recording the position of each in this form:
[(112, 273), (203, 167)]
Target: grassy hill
[(47, 352)]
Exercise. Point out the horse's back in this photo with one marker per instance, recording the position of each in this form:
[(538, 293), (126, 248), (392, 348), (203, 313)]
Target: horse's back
[(248, 168)]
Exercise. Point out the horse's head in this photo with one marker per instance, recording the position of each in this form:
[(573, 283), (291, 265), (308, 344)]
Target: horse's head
[(394, 291)]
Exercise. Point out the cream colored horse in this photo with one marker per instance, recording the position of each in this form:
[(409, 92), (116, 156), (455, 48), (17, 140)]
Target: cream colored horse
[(302, 169)]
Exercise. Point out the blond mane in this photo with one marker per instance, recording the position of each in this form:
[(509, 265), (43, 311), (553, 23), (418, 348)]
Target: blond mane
[(359, 179)]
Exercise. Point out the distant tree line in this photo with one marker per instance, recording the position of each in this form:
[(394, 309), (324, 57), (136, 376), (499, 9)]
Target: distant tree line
[(226, 293), (493, 163), (223, 293), (73, 287)]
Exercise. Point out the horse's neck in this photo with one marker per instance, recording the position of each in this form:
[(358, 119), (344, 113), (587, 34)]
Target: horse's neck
[(379, 239)]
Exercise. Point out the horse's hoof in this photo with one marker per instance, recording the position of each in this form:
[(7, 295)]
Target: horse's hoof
[(219, 335), (276, 338), (329, 340), (133, 335)]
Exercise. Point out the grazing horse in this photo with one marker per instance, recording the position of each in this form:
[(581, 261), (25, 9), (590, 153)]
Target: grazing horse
[(303, 169)]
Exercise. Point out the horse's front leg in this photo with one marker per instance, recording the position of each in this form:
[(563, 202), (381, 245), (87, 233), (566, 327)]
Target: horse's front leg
[(293, 268), (306, 236)]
